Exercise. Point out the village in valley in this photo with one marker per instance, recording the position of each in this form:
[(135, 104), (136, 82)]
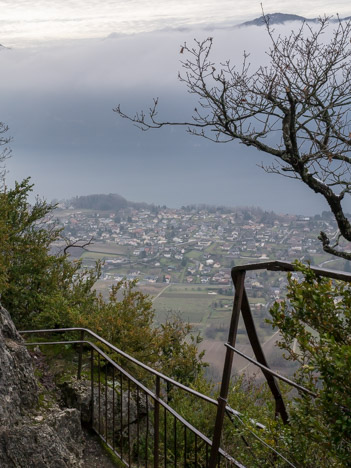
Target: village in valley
[(183, 258), (194, 245)]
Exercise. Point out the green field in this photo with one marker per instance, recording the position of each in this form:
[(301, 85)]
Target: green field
[(203, 310), (210, 316), (208, 311), (98, 256)]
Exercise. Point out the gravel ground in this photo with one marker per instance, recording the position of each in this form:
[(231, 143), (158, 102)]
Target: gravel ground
[(94, 454)]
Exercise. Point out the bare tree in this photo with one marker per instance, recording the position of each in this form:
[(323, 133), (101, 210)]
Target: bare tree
[(6, 151), (297, 109)]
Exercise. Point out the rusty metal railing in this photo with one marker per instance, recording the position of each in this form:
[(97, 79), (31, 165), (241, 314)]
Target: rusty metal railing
[(138, 424), (241, 305)]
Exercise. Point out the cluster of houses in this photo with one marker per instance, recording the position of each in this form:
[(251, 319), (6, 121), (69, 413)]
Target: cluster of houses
[(192, 245)]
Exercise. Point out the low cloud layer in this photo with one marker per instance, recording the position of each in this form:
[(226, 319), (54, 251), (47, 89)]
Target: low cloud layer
[(26, 22), (58, 103)]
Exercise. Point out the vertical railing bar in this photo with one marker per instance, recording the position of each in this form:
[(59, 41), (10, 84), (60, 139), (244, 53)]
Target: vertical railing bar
[(99, 393), (207, 455), (106, 401), (121, 385), (175, 441), (92, 384), (80, 355), (227, 368), (185, 453), (129, 445), (113, 408), (168, 389), (165, 436), (157, 422), (138, 428), (147, 430), (195, 450), (261, 358)]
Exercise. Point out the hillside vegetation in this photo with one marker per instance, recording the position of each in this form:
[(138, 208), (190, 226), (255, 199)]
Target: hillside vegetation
[(102, 202), (49, 291), (44, 290)]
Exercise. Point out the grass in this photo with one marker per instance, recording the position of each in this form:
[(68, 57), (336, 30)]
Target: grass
[(257, 300), (98, 255), (194, 254), (112, 456), (196, 306), (191, 309), (109, 248)]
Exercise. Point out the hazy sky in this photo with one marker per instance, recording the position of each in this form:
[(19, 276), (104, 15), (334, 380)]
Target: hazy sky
[(24, 21), (71, 62)]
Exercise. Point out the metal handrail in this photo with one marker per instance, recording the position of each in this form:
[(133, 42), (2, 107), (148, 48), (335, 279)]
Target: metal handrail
[(270, 371), (142, 387), (131, 359), (277, 265), (138, 384), (241, 305)]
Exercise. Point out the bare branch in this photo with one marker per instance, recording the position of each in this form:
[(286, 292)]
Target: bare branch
[(78, 244), (304, 96), (332, 250)]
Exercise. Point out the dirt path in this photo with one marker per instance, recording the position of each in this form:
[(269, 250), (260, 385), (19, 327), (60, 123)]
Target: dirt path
[(95, 456), (162, 291)]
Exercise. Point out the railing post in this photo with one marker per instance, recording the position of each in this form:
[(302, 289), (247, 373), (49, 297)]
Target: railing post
[(80, 355), (257, 349), (222, 400), (157, 423), (92, 384)]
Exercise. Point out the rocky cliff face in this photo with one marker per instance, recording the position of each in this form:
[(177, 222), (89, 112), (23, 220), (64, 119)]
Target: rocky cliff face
[(31, 436), (18, 388)]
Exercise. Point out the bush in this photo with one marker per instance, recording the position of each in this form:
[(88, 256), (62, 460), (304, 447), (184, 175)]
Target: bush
[(317, 315), (46, 290)]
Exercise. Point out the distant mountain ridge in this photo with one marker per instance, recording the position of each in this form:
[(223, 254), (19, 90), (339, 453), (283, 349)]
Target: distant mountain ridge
[(281, 18)]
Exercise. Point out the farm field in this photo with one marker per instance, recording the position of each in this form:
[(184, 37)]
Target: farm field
[(201, 306), (109, 248), (193, 303), (196, 305), (209, 313)]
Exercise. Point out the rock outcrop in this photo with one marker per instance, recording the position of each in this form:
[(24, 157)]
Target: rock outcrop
[(31, 436), (77, 394), (54, 442), (18, 387)]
